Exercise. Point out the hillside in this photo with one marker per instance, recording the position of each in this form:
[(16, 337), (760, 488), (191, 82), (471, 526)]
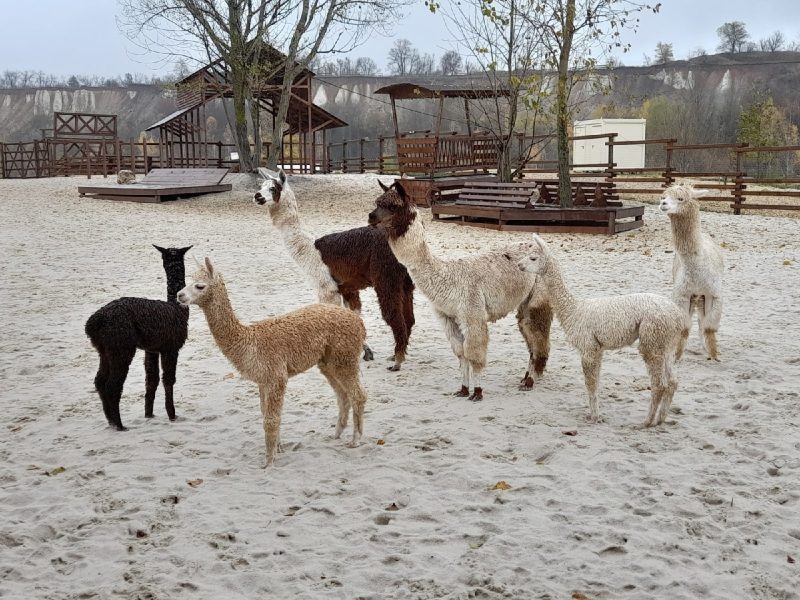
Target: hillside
[(724, 78)]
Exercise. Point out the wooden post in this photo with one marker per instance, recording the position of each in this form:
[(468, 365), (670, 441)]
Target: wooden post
[(394, 119), (361, 155), (380, 154), (668, 165), (466, 113), (344, 156), (611, 171), (738, 189)]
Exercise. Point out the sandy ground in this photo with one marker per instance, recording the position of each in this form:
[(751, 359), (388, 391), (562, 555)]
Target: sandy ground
[(703, 507)]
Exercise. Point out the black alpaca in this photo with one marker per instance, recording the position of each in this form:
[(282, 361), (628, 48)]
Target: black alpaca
[(157, 327)]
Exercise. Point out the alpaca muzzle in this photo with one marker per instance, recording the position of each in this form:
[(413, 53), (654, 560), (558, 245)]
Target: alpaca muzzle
[(259, 199)]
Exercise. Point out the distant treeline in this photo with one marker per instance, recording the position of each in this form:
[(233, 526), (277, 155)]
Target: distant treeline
[(10, 79)]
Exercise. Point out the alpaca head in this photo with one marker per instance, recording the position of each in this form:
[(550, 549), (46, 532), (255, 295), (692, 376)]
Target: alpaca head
[(172, 256), (200, 289), (681, 198), (275, 192), (537, 259), (394, 211)]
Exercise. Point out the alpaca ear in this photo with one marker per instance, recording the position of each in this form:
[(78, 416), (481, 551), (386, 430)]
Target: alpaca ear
[(209, 267), (400, 190), (183, 251), (282, 177), (265, 174), (160, 249), (385, 188), (540, 242), (197, 263)]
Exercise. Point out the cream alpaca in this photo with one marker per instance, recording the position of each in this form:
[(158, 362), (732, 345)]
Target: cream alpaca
[(598, 324), (697, 267), (271, 351), (468, 293)]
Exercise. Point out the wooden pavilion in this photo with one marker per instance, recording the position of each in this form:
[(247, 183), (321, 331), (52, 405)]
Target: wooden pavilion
[(440, 162), (182, 135)]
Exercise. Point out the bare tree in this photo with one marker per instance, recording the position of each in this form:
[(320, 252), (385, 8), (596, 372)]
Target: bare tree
[(240, 32), (772, 43), (732, 36), (697, 52), (576, 33), (402, 57), (424, 65), (450, 63), (663, 53), (366, 66), (505, 50)]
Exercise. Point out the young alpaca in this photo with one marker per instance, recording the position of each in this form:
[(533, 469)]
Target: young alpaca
[(697, 267), (341, 264), (271, 351), (598, 324), (159, 328), (468, 293)]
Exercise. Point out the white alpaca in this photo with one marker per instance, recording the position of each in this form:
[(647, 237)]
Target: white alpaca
[(697, 268), (271, 351), (467, 293), (300, 244), (598, 324)]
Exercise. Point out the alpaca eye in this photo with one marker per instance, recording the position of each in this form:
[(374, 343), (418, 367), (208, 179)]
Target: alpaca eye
[(199, 286)]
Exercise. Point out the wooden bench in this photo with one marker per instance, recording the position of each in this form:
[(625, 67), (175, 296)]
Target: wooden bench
[(162, 184), (528, 206)]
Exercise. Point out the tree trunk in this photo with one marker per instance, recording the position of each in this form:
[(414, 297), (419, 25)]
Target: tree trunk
[(240, 96), (562, 109), (280, 118)]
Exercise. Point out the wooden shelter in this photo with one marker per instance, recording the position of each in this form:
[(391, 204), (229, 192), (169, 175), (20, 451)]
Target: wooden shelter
[(182, 135), (440, 162)]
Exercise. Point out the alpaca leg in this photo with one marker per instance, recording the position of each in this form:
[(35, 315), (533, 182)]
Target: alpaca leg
[(685, 304), (150, 382), (591, 376), (669, 392), (658, 384), (341, 396), (352, 300), (100, 382), (391, 303), (476, 341), (534, 324), (709, 324), (355, 397), (169, 364), (273, 407), (456, 338), (118, 372)]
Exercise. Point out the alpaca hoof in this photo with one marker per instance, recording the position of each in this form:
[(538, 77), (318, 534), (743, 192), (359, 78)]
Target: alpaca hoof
[(150, 416), (393, 368), (368, 355), (120, 428), (463, 392), (352, 444), (173, 419), (477, 395), (596, 419), (526, 384)]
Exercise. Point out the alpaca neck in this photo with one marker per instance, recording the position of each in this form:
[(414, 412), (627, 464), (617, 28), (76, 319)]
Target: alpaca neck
[(296, 240), (413, 252), (174, 285), (225, 326), (686, 231), (564, 303)]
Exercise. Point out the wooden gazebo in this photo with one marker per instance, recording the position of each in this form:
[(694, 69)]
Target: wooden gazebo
[(432, 162), (182, 135)]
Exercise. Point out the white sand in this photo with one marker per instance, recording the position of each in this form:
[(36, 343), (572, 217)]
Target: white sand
[(704, 507)]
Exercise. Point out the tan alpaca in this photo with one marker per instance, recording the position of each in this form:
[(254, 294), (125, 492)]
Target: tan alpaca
[(271, 351)]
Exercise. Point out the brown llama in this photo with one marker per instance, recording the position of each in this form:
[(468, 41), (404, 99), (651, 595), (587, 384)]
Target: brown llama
[(340, 265)]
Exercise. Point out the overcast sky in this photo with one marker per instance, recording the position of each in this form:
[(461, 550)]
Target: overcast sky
[(81, 36)]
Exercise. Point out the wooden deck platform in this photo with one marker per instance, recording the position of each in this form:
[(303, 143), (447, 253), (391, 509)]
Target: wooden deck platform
[(527, 206), (162, 184), (427, 190)]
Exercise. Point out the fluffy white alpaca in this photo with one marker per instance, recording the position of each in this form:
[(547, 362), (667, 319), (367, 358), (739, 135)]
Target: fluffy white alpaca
[(300, 244), (697, 268), (467, 293), (598, 324)]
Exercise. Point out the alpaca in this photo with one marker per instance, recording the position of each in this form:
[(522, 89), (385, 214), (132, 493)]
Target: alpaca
[(468, 293), (597, 324), (159, 328), (341, 264), (696, 269), (271, 351)]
